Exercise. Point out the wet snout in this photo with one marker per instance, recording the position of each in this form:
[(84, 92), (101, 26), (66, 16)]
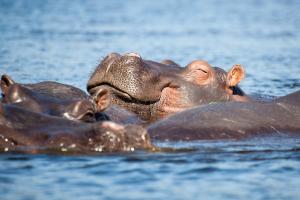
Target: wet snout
[(129, 74)]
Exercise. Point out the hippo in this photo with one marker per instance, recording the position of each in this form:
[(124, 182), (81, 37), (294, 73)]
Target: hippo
[(231, 120), (50, 98), (63, 100), (25, 131), (154, 90)]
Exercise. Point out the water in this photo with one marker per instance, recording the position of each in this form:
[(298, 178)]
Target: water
[(209, 170), (65, 40)]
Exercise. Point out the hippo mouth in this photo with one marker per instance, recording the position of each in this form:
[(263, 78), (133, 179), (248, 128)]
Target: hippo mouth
[(143, 108), (121, 94)]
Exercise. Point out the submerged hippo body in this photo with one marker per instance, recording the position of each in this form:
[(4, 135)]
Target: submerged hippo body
[(26, 131), (154, 90), (232, 120)]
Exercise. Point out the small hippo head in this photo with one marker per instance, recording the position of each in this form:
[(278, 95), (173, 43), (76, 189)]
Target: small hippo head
[(51, 98), (154, 90)]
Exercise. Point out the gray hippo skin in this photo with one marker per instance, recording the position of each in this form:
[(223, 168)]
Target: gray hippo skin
[(155, 90), (24, 131), (63, 100), (232, 120), (50, 98)]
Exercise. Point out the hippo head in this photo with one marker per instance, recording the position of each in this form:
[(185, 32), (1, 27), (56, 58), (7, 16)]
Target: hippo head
[(216, 82), (154, 90), (51, 98)]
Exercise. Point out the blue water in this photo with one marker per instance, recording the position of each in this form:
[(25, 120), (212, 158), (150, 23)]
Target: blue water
[(65, 40)]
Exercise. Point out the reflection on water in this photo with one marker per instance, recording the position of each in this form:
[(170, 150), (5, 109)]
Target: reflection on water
[(64, 40), (255, 169)]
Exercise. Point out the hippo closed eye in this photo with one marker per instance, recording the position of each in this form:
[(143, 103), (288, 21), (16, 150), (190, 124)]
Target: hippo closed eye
[(222, 84), (153, 90)]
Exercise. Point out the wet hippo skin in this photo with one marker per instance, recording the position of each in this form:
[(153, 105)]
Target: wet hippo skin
[(26, 131), (63, 100), (122, 116), (51, 98), (155, 90), (232, 120)]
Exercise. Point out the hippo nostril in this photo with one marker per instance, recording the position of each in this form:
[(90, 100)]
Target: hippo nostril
[(133, 54)]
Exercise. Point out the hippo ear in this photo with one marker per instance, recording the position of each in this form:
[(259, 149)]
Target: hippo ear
[(102, 99), (235, 75), (5, 83)]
